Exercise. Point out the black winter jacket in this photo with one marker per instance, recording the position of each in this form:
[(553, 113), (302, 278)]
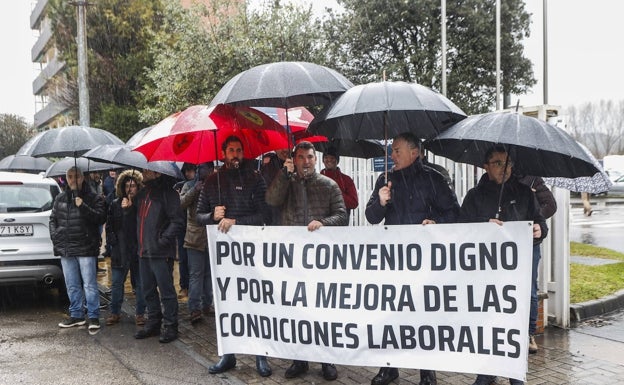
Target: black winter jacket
[(545, 198), (121, 234), (75, 230), (159, 219), (518, 204), (417, 194), (241, 191)]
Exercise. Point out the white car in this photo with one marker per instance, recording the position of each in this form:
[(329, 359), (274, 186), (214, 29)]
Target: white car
[(26, 253), (618, 186)]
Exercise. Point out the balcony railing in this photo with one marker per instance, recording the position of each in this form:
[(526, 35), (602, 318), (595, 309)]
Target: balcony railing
[(39, 48), (54, 67), (37, 14), (48, 113)]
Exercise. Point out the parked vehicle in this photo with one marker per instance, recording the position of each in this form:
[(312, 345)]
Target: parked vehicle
[(26, 253), (618, 186)]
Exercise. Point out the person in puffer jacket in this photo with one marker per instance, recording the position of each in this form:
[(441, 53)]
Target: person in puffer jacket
[(307, 198), (485, 203), (76, 216), (121, 235), (412, 194), (234, 196), (159, 221)]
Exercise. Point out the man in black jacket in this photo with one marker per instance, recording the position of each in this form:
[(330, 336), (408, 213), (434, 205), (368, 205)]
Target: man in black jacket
[(486, 203), (76, 216), (234, 195), (159, 221), (411, 195)]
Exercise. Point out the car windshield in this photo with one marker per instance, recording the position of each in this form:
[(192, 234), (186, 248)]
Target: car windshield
[(25, 198)]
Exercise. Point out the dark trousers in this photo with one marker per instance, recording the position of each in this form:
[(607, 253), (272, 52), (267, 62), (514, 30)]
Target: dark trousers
[(159, 292)]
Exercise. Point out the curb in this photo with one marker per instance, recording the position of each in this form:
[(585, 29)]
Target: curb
[(584, 310)]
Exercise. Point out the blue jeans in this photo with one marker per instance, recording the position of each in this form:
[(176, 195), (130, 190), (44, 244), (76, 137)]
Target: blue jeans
[(81, 283), (160, 294), (200, 285), (537, 255), (117, 291)]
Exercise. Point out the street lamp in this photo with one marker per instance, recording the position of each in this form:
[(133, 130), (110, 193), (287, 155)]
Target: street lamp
[(81, 41)]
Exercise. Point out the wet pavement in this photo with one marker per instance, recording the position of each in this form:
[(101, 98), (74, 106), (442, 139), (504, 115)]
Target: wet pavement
[(590, 353)]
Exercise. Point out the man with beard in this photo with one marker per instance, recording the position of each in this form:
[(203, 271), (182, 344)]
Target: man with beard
[(234, 195)]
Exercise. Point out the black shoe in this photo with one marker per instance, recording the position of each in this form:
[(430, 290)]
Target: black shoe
[(147, 332), (262, 366), (227, 362), (385, 376), (71, 322), (296, 369), (169, 334), (484, 379), (428, 377), (329, 372)]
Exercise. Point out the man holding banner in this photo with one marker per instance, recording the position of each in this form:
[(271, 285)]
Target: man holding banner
[(307, 198), (499, 197), (234, 195), (411, 195)]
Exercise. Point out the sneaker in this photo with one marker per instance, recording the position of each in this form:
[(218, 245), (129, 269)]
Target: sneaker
[(532, 345), (139, 319), (94, 324), (113, 319), (71, 322)]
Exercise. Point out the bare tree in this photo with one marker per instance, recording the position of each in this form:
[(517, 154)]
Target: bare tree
[(599, 126)]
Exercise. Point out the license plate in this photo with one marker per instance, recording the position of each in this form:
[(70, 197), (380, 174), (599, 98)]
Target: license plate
[(15, 230)]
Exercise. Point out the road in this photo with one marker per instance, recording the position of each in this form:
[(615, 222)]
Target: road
[(34, 350), (603, 228)]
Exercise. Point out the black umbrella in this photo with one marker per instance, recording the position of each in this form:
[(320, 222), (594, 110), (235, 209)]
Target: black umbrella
[(122, 154), (354, 148), (60, 167), (385, 109), (67, 141), (535, 146), (24, 163), (283, 84)]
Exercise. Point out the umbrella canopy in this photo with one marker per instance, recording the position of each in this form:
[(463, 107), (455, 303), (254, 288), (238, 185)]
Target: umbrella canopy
[(67, 141), (354, 148), (195, 135), (385, 109), (60, 167), (283, 84), (24, 163), (122, 154), (136, 138), (595, 184), (535, 146)]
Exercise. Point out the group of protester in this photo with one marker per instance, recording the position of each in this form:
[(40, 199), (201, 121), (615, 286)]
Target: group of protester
[(144, 219)]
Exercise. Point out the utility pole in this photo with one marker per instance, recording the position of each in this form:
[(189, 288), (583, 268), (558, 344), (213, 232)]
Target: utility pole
[(81, 42)]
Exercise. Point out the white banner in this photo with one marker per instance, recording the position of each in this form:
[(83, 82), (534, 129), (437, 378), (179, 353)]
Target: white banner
[(451, 297)]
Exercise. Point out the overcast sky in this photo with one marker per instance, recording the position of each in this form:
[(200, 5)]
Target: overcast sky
[(585, 56)]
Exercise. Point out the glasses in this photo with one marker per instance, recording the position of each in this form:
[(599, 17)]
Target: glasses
[(500, 163)]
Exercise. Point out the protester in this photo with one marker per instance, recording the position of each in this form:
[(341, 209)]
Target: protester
[(411, 195), (322, 205), (76, 216), (486, 203), (159, 220), (196, 246), (121, 235), (189, 170), (234, 195), (345, 183), (548, 207)]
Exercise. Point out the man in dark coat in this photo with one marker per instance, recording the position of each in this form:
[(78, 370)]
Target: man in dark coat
[(234, 195), (159, 221), (485, 203), (76, 216), (412, 195)]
